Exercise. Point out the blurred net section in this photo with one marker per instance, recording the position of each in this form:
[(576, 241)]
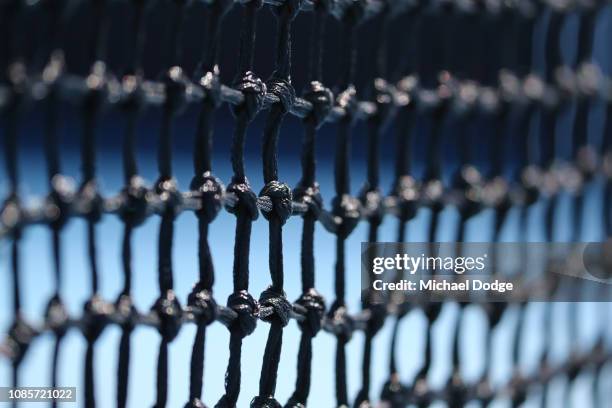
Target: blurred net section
[(440, 79)]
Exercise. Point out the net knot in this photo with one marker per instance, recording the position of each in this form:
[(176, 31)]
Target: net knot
[(421, 391), (347, 100), (202, 302), (314, 304), (16, 76), (321, 99), (11, 215), (372, 202), (407, 193), (287, 10), (496, 194), (209, 190), (124, 306), (135, 197), (254, 91), (90, 201), (175, 84), (279, 194), (265, 402), (211, 84), (169, 312), (531, 178), (246, 308), (342, 324), (168, 192), (95, 317), (346, 207), (19, 338), (309, 195), (518, 390), (283, 90), (468, 188), (383, 95), (56, 316), (323, 5), (378, 313), (225, 402), (351, 12), (60, 199), (294, 403), (432, 195), (278, 303), (134, 99), (98, 83), (247, 200), (195, 403), (395, 393), (484, 391), (457, 391)]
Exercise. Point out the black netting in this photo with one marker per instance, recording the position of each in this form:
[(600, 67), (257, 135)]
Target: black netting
[(438, 79)]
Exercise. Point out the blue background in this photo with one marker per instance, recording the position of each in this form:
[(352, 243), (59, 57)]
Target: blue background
[(37, 280)]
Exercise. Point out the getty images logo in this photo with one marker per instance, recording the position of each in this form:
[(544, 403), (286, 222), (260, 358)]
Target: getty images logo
[(412, 264)]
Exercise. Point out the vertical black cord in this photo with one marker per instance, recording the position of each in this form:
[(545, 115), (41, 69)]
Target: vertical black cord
[(458, 38), (197, 366), (162, 375), (339, 276), (10, 148), (585, 40), (525, 152), (52, 157), (393, 392), (343, 205), (308, 191), (130, 166), (579, 146), (202, 161), (164, 153), (91, 105), (123, 368), (167, 306), (281, 197), (247, 36), (525, 28), (134, 193), (371, 192), (16, 273), (209, 70), (519, 394), (548, 155), (606, 148), (339, 285), (246, 210), (210, 191), (548, 120), (431, 61), (343, 152), (166, 233), (500, 42), (307, 252), (134, 63)]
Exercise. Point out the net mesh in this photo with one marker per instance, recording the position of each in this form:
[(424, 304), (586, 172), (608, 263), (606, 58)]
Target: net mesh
[(436, 80)]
